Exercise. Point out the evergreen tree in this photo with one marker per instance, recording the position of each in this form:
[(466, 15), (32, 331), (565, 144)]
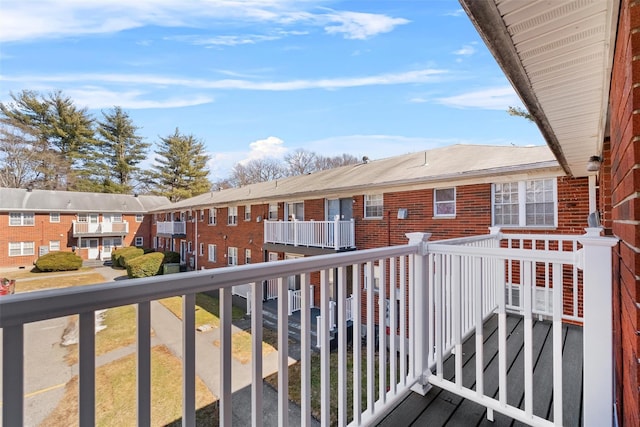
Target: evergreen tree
[(112, 167), (180, 171)]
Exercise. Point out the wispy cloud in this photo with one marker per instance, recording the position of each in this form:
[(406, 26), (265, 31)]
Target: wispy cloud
[(466, 50), (62, 18), (98, 98), (457, 12), (407, 77), (498, 98)]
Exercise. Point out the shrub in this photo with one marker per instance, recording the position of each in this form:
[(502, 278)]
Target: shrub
[(171, 257), (59, 261), (145, 265), (121, 256)]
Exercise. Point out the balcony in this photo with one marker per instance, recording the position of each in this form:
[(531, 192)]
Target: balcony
[(97, 229), (492, 323), (336, 235), (171, 229)]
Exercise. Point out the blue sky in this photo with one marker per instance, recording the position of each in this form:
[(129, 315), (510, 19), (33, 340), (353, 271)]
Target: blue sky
[(260, 78)]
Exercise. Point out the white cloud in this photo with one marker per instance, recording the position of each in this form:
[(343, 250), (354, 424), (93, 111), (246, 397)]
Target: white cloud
[(498, 98), (457, 12), (407, 77), (418, 100), (97, 98), (466, 50), (271, 146), (232, 40), (360, 26)]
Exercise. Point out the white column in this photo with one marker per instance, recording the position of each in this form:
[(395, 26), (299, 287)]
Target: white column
[(598, 328), (419, 310)]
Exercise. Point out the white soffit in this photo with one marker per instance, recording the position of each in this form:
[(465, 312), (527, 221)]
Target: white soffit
[(565, 51)]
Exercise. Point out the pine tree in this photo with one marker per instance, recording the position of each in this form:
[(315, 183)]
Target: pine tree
[(112, 167), (180, 171)]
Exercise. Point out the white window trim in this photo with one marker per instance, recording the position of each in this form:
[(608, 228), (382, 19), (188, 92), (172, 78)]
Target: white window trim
[(212, 255), (367, 196), (247, 251), (51, 218), (273, 212), (232, 215), (436, 202), (247, 212), (232, 255), (23, 215), (22, 249), (213, 216), (138, 239), (139, 217), (51, 247), (522, 206), (201, 249)]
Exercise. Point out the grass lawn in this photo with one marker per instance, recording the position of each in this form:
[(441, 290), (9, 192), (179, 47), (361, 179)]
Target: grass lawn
[(35, 273), (120, 332), (116, 393), (40, 281), (241, 347), (207, 309)]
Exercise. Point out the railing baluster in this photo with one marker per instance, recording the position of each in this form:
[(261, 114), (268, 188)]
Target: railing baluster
[(143, 338), (325, 384), (357, 344), (13, 375), (342, 347), (439, 310), (225, 403), (87, 368), (370, 338), (403, 321), (456, 301), (527, 288), (256, 352), (382, 332), (305, 351), (189, 360), (393, 327), (557, 343), (283, 354), (502, 332)]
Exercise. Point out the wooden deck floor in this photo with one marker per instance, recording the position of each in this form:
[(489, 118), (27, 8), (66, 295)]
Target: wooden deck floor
[(442, 408)]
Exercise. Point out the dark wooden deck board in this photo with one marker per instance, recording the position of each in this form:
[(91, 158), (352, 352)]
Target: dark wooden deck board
[(442, 408)]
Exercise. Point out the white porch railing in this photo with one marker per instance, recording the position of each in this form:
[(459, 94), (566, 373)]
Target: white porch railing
[(444, 291), (317, 234), (100, 228), (272, 289), (171, 227), (295, 299)]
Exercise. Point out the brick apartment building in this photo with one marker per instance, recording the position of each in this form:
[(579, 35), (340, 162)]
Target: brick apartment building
[(34, 222)]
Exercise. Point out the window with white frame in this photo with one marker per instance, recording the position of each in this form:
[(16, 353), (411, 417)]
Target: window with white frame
[(232, 217), (189, 246), (116, 217), (21, 218), (54, 245), (530, 203), (376, 277), (139, 241), (183, 216), (444, 202), (139, 217), (247, 256), (213, 253), (247, 212), (201, 215), (273, 211), (54, 216), (21, 248), (373, 206), (201, 249), (213, 216), (232, 255)]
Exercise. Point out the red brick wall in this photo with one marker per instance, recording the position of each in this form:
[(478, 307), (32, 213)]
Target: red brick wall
[(45, 231), (625, 209)]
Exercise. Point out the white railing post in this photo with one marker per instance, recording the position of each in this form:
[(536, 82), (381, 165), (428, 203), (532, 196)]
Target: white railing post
[(290, 297), (420, 310), (352, 237), (598, 328), (336, 232)]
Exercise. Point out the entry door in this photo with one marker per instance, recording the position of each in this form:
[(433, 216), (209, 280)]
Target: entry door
[(183, 251), (341, 207), (108, 245), (93, 248)]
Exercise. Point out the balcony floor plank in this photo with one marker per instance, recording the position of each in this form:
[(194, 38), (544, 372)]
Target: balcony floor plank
[(442, 408)]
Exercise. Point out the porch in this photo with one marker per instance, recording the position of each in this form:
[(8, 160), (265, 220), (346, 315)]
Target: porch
[(450, 329), (100, 228), (171, 229), (336, 234)]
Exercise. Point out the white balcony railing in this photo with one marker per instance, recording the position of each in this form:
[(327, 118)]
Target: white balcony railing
[(100, 228), (171, 228), (317, 234), (444, 291)]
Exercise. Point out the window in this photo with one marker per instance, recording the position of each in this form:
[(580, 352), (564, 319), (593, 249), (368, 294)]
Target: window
[(444, 202), (232, 218), (183, 216), (213, 253), (247, 213), (116, 217), (139, 241), (232, 256), (201, 215), (525, 203), (376, 277), (21, 218), (54, 245), (273, 211), (201, 249), (54, 217), (373, 206), (189, 247), (213, 216), (21, 248), (295, 211), (247, 256), (139, 217)]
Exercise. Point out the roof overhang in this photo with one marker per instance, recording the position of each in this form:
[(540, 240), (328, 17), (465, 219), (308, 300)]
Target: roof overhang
[(558, 57)]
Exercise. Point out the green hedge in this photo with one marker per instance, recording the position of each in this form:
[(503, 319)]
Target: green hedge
[(171, 257), (59, 261), (121, 256), (145, 265)]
